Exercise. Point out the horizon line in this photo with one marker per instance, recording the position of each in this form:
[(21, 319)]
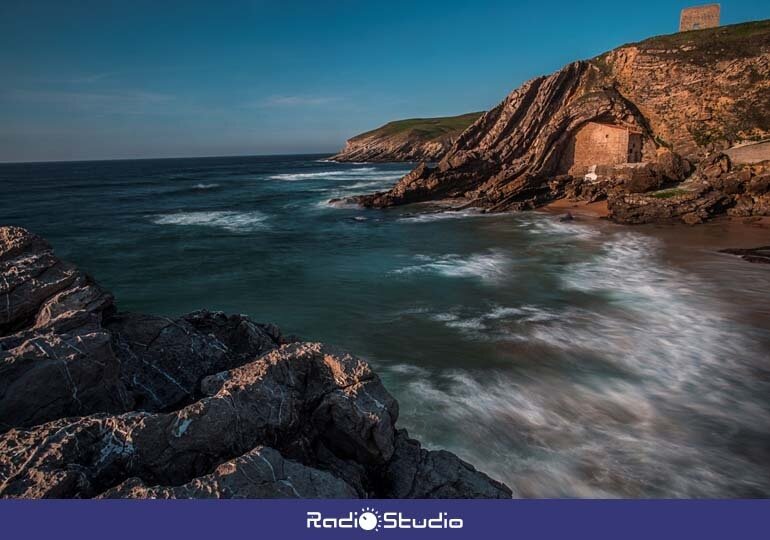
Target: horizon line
[(164, 158)]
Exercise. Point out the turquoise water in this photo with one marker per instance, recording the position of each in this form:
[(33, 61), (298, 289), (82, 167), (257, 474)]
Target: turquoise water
[(567, 359)]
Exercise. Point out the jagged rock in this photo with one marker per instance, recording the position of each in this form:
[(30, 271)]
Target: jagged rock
[(65, 352), (163, 361), (422, 474), (686, 96), (298, 397), (689, 206), (671, 166), (260, 473), (714, 166), (94, 401), (55, 358)]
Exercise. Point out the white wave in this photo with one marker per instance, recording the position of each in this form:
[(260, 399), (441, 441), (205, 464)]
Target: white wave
[(557, 436), (335, 174), (366, 185), (228, 220), (341, 203), (205, 186), (429, 217), (645, 390), (551, 226), (498, 324), (660, 322), (491, 266)]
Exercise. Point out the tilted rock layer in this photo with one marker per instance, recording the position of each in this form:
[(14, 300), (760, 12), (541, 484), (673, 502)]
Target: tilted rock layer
[(687, 96), (98, 403)]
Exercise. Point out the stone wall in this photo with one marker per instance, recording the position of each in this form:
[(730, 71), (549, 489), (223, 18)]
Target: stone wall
[(600, 144), (747, 154), (699, 17)]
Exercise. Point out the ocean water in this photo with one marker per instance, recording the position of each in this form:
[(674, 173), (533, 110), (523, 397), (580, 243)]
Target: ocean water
[(577, 359)]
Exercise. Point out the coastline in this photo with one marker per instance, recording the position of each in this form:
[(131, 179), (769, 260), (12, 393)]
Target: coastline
[(721, 232)]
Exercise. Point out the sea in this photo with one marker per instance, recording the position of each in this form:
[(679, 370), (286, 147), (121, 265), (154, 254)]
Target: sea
[(565, 358)]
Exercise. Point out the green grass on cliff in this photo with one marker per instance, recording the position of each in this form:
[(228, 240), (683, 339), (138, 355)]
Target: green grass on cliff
[(705, 46), (720, 43), (424, 128)]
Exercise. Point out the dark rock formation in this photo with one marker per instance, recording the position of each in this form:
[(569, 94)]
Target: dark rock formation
[(685, 96), (259, 473), (416, 139), (755, 255), (94, 402)]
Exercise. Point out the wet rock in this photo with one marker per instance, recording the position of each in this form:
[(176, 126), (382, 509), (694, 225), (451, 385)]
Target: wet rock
[(94, 401), (422, 474), (755, 255)]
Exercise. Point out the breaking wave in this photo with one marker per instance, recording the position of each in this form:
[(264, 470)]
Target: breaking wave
[(489, 267), (631, 395), (231, 221), (361, 172), (429, 217)]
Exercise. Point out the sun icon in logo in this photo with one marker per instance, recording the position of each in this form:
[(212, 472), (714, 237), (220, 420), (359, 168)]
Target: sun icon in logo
[(369, 520)]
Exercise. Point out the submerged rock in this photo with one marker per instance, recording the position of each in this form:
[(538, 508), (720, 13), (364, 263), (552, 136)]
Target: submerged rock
[(755, 255), (94, 402)]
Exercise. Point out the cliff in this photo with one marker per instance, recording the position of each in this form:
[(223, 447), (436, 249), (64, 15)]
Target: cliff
[(415, 139), (99, 403), (683, 97)]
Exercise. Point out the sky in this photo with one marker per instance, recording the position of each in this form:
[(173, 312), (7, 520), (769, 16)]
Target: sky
[(140, 79)]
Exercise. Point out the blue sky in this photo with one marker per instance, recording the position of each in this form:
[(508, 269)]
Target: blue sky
[(102, 79)]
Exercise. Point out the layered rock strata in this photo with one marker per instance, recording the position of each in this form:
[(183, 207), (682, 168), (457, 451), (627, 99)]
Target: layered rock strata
[(685, 98)]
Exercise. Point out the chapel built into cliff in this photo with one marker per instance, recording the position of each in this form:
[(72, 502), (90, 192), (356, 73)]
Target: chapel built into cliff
[(699, 17), (601, 144)]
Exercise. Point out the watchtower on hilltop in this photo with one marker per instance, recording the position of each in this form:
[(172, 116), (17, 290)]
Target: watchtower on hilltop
[(699, 17)]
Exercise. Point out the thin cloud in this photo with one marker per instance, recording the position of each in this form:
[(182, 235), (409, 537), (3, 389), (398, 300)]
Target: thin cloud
[(125, 102), (90, 79), (296, 101)]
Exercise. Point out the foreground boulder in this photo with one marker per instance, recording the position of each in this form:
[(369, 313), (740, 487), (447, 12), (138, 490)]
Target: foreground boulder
[(260, 473), (94, 402)]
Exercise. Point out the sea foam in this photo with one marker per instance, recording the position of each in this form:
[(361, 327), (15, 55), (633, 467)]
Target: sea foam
[(491, 266), (228, 220)]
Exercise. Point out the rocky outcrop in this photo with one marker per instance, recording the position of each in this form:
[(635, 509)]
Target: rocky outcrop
[(686, 96), (717, 187), (415, 139), (94, 402)]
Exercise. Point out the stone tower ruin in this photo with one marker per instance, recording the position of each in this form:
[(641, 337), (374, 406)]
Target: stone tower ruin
[(699, 17)]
